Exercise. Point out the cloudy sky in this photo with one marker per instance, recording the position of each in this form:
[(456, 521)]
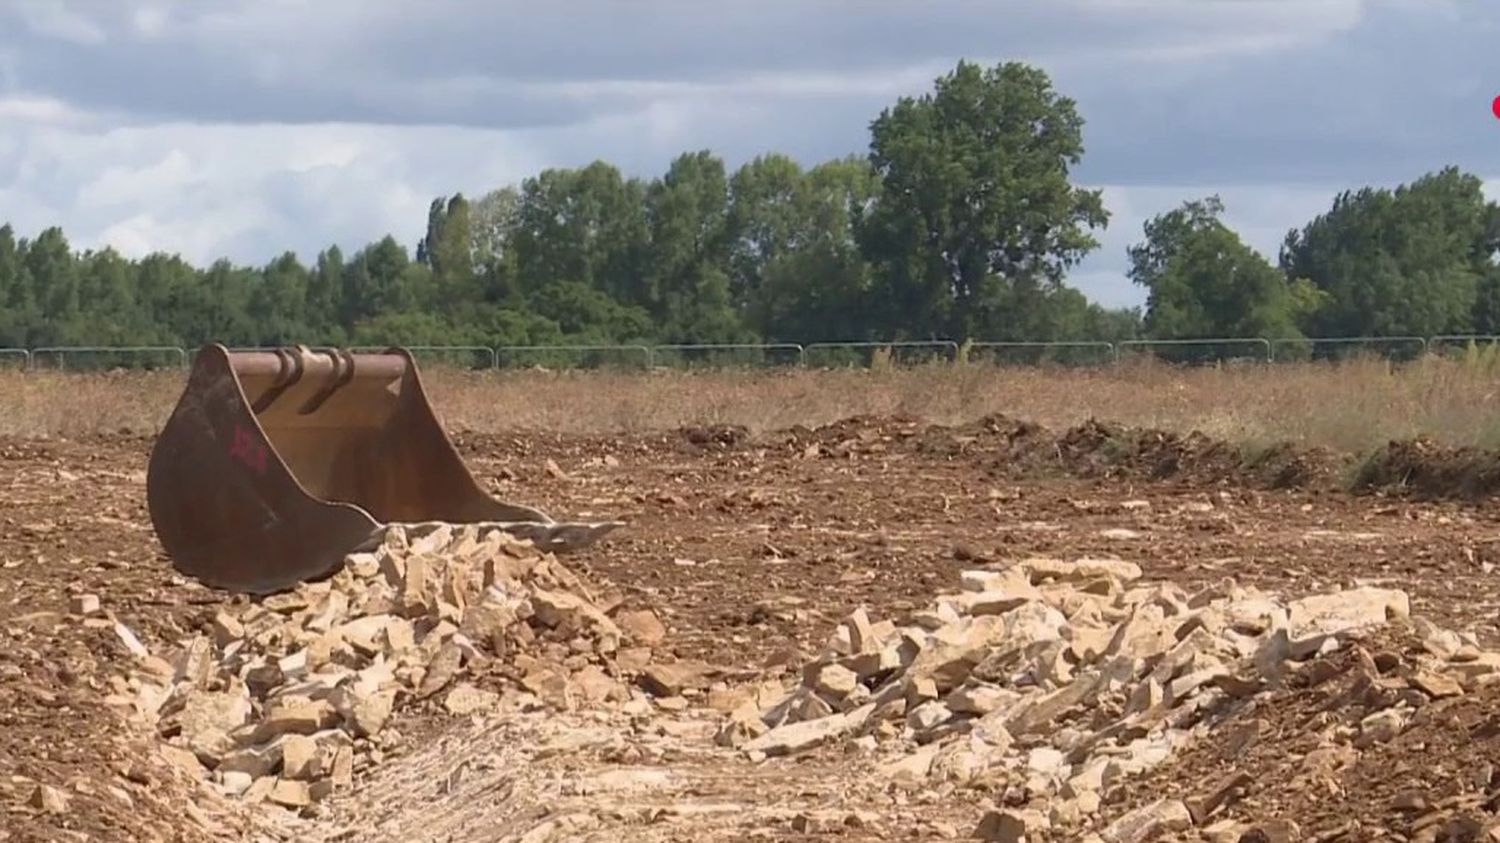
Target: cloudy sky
[(241, 129)]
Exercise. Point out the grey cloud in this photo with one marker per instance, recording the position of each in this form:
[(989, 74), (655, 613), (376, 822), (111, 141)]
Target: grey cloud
[(1181, 97), (1172, 90)]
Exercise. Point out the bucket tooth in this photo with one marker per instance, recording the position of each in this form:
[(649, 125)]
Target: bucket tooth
[(275, 465)]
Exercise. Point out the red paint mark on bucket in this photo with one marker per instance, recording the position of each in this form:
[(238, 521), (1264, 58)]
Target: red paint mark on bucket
[(248, 450)]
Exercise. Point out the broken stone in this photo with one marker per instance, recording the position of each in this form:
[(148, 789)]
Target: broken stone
[(1217, 795), (1436, 685), (980, 699), (559, 609), (1380, 727), (465, 699), (290, 793), (342, 768), (954, 651), (227, 629), (368, 714), (299, 758), (551, 686), (84, 604), (861, 634), (911, 771), (294, 716), (1352, 609), (1011, 826), (1039, 569), (928, 716), (670, 679), (48, 799), (254, 761), (441, 671), (642, 627), (796, 737), (131, 642), (594, 686), (235, 783), (835, 681), (1164, 816), (208, 719)]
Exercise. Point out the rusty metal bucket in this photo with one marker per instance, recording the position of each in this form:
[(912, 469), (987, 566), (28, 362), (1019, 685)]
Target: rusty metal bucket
[(275, 465)]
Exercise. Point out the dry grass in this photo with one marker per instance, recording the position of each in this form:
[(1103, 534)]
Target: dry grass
[(1350, 406)]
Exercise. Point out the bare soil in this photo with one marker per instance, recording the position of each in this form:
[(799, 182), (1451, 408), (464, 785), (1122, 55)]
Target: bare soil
[(751, 548)]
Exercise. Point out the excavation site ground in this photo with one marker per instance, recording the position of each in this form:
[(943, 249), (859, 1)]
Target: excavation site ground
[(878, 629)]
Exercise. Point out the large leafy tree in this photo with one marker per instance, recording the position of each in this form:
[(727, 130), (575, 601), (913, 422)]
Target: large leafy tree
[(978, 218), (687, 211), (448, 250), (814, 283), (765, 221), (1409, 261), (586, 226), (1204, 281)]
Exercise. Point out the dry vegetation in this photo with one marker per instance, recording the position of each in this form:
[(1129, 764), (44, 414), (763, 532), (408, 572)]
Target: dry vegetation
[(1350, 407)]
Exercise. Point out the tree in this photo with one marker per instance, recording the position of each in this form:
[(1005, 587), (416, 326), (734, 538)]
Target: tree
[(766, 220), (1205, 282), (377, 281), (278, 303), (977, 216), (582, 225), (492, 231), (688, 281), (448, 250), (814, 282), (18, 310), (1408, 261)]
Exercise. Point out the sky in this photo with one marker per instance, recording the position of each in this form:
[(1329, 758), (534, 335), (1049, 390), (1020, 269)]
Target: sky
[(242, 129)]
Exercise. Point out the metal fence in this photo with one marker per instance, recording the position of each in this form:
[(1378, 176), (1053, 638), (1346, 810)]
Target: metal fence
[(871, 354), (1212, 351), (1041, 353), (94, 357), (15, 358)]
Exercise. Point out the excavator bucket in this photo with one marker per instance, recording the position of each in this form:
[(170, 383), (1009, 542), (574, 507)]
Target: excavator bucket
[(275, 465)]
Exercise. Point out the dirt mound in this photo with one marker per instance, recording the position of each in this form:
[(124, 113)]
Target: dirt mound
[(1016, 449), (718, 435), (1431, 470), (1296, 759)]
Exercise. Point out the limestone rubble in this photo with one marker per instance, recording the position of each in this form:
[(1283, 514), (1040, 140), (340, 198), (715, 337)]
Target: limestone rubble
[(284, 699), (1045, 683), (1049, 682)]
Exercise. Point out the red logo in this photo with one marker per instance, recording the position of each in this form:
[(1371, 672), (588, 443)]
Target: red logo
[(248, 450), (1495, 107)]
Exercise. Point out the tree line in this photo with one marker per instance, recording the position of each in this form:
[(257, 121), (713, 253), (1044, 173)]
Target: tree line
[(961, 222)]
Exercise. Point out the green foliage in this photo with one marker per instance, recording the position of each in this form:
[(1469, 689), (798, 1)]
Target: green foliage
[(959, 222), (977, 220), (1417, 260), (1204, 282)]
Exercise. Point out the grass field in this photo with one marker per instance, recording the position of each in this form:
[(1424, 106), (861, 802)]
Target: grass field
[(1349, 406)]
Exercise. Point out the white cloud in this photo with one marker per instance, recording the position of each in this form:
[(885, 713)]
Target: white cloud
[(247, 192), (39, 110)]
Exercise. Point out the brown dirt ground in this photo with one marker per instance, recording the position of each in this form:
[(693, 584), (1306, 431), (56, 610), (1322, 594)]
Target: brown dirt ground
[(752, 549)]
